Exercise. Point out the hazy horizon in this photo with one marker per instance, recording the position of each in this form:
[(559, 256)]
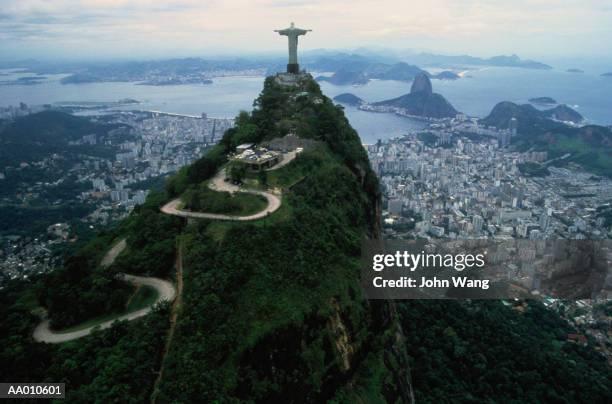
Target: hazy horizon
[(143, 29)]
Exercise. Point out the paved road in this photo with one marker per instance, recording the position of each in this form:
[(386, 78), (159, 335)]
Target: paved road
[(217, 183), (165, 290), (287, 158)]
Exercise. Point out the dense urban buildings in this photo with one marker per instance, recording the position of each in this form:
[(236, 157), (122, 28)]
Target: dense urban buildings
[(458, 180), (109, 188)]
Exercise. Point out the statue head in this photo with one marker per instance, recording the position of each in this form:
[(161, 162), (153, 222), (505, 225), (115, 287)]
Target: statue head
[(292, 25)]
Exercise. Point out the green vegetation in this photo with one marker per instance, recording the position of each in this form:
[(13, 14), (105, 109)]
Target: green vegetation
[(24, 220), (143, 296), (533, 169), (81, 290), (203, 199), (275, 285), (36, 157), (114, 365), (428, 138), (36, 136), (272, 310), (237, 171), (594, 157), (292, 173), (590, 145), (272, 293), (483, 351)]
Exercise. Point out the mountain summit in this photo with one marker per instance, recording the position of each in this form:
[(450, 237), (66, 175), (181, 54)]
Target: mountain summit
[(420, 84), (421, 101)]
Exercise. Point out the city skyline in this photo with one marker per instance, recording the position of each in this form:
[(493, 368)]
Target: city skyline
[(65, 29)]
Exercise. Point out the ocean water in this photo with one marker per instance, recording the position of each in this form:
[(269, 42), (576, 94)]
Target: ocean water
[(475, 95), (478, 92)]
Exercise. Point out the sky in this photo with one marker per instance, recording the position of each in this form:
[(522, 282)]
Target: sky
[(103, 29)]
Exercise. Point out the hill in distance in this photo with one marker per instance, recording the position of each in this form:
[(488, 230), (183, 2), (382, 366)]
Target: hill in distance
[(589, 145), (422, 101), (361, 73), (345, 76), (349, 99), (39, 135), (528, 116)]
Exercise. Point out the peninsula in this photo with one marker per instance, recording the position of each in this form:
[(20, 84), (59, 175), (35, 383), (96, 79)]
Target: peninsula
[(421, 101)]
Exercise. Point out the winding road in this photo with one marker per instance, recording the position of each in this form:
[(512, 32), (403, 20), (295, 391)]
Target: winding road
[(165, 290), (218, 183)]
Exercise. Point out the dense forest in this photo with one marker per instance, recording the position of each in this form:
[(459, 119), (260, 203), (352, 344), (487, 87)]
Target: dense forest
[(272, 310), (112, 366), (36, 136), (35, 151), (484, 351), (275, 312)]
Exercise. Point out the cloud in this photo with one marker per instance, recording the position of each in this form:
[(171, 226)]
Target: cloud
[(481, 26)]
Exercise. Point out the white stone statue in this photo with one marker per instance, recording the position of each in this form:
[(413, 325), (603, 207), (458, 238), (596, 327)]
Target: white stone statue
[(292, 33)]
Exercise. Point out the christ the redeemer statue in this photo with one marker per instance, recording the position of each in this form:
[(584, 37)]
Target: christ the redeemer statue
[(292, 33)]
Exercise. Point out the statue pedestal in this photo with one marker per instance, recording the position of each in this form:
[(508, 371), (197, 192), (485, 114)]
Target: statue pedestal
[(291, 79), (293, 68)]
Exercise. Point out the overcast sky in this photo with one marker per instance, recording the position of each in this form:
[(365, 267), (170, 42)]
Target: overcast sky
[(89, 29)]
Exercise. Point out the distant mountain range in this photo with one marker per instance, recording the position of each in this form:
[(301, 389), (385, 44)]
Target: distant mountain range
[(381, 71), (196, 70), (429, 59)]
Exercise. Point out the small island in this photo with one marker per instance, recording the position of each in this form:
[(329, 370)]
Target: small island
[(349, 99), (24, 81), (543, 101), (609, 74), (446, 75), (574, 70)]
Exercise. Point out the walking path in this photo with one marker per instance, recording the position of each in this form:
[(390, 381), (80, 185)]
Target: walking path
[(173, 316), (218, 183), (165, 291)]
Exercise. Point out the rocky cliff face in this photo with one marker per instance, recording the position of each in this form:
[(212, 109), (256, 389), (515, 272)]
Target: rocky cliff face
[(421, 84)]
